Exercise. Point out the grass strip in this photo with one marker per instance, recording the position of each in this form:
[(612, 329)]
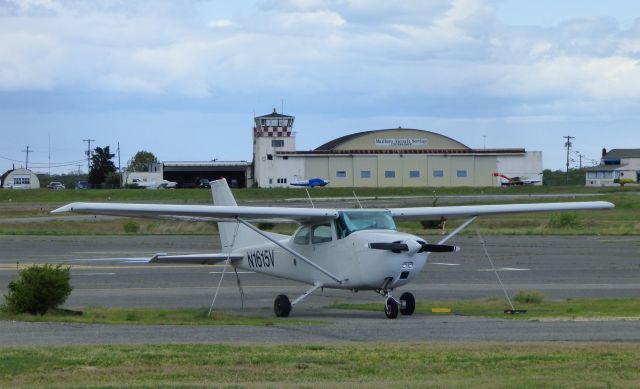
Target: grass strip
[(565, 365), (144, 316), (203, 196), (570, 309)]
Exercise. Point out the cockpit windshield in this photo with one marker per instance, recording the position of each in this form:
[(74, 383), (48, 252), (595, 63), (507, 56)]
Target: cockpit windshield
[(351, 221)]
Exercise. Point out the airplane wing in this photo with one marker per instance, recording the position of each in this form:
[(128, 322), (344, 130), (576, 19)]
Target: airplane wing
[(211, 212), (284, 214), (467, 211)]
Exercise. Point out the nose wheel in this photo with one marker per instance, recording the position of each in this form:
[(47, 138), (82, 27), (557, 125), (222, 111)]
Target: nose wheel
[(390, 308), (406, 305)]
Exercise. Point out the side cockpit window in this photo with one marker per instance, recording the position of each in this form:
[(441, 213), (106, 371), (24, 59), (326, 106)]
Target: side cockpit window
[(321, 233), (302, 237)]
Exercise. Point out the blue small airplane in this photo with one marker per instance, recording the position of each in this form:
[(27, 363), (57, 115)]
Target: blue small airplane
[(312, 182)]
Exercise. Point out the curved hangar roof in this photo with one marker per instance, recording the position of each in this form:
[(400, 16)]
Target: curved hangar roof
[(397, 138)]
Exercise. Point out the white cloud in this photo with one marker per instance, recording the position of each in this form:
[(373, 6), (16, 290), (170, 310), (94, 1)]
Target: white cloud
[(30, 61), (220, 23), (407, 49)]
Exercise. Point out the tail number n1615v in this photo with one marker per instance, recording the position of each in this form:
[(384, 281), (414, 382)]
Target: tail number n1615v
[(261, 258)]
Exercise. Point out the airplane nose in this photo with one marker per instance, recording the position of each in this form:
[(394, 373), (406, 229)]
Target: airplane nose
[(412, 246)]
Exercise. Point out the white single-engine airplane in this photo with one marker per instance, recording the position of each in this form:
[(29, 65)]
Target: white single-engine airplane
[(353, 249)]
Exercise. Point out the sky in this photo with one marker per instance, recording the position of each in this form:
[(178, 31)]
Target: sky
[(185, 78)]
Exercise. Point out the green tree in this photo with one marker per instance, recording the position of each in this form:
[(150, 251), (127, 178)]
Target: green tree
[(101, 166), (142, 161)]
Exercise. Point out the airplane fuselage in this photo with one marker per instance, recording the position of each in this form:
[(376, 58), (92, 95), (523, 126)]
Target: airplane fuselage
[(350, 259)]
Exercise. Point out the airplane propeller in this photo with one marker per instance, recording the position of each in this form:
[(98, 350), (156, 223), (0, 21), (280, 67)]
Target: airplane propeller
[(413, 246)]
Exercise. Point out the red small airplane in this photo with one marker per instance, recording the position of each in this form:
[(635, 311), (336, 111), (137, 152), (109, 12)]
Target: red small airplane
[(517, 181)]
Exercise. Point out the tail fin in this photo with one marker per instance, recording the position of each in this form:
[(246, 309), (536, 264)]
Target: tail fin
[(244, 236)]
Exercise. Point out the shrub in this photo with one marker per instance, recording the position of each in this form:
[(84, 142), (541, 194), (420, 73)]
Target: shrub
[(529, 297), (623, 181), (38, 289), (565, 220), (430, 224), (131, 227), (266, 226)]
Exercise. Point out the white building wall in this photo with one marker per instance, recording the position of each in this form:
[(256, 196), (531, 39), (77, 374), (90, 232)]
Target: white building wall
[(270, 170)]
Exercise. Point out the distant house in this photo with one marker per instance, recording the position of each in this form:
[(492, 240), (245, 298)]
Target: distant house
[(615, 165), (19, 179)]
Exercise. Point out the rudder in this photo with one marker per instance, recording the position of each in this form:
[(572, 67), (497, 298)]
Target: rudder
[(244, 236)]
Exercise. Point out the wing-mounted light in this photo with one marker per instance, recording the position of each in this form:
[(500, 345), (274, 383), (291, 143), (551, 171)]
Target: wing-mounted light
[(411, 246)]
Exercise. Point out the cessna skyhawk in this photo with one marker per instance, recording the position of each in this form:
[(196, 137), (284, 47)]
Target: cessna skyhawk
[(353, 249)]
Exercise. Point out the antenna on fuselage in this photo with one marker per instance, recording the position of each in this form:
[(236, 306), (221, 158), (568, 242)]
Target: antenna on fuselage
[(358, 201), (309, 196)]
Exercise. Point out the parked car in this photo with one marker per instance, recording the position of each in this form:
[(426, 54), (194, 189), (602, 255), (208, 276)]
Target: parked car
[(82, 185), (56, 185)]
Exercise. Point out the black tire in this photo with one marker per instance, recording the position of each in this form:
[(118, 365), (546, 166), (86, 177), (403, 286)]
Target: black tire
[(391, 308), (408, 303), (282, 306)]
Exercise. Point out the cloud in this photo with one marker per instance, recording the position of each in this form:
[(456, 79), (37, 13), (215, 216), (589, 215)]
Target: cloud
[(220, 23), (326, 49)]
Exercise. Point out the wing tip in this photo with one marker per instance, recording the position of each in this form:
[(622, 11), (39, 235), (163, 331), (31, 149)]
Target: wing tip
[(64, 208)]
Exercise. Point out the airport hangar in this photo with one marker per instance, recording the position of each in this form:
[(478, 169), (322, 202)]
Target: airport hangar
[(381, 158), (398, 157)]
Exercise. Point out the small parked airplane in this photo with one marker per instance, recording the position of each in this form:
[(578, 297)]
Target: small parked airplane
[(312, 183), (517, 181), (353, 249), (162, 184)]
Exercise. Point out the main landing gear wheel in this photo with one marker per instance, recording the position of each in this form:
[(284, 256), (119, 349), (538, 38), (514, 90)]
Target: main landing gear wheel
[(391, 308), (407, 303), (282, 306)]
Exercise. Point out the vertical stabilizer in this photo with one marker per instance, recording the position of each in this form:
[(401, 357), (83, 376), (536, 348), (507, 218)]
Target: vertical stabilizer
[(244, 237)]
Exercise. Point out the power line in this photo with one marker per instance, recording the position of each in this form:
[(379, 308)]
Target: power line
[(43, 164)]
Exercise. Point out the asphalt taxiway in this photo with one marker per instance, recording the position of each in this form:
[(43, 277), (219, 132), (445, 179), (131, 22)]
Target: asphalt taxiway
[(560, 267)]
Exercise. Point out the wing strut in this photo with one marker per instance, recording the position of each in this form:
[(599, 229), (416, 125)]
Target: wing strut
[(294, 253), (457, 230), (224, 269)]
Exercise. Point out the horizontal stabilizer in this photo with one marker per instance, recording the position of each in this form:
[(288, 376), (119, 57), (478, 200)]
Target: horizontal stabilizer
[(194, 259)]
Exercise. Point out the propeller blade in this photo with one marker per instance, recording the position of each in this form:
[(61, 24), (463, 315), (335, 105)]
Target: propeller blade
[(438, 248), (396, 247)]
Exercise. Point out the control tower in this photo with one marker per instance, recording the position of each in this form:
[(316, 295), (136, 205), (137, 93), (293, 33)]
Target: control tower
[(273, 133)]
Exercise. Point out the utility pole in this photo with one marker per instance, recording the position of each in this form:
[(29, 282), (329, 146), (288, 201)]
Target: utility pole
[(27, 161), (119, 168), (88, 154), (49, 135), (568, 145), (580, 155)]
